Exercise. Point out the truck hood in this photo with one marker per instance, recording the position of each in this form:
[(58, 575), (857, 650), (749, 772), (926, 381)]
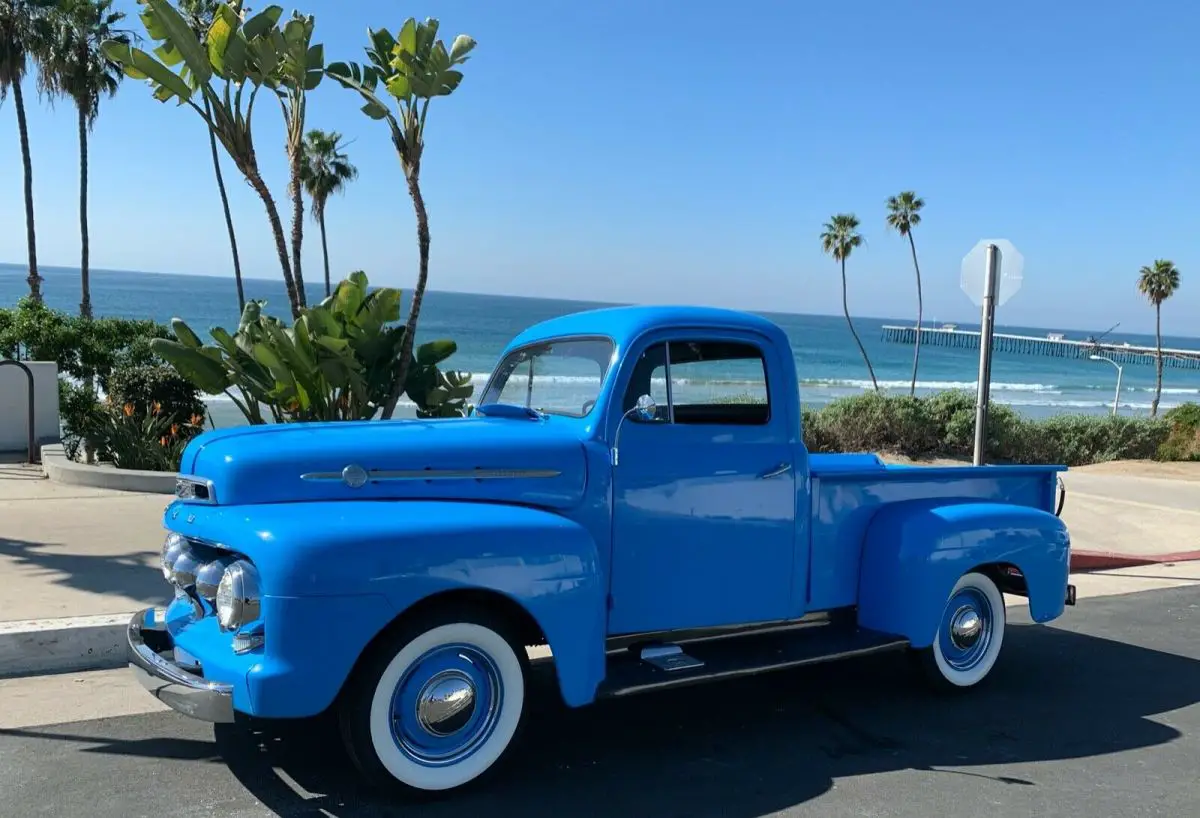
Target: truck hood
[(487, 459)]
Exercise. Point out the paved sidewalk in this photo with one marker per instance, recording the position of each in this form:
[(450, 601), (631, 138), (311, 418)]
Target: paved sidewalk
[(68, 551)]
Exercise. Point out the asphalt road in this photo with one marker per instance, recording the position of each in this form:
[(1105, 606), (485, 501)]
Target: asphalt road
[(1098, 714)]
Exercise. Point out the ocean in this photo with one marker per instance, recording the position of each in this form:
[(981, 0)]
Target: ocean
[(827, 360)]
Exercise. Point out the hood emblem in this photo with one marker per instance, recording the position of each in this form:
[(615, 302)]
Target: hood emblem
[(354, 476)]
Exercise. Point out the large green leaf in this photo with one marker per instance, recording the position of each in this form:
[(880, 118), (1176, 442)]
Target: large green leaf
[(407, 41), (220, 36), (262, 22), (184, 333), (434, 352), (461, 48), (181, 36), (208, 375), (137, 64)]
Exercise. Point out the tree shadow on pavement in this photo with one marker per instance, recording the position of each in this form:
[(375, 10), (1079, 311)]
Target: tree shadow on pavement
[(126, 575), (758, 746)]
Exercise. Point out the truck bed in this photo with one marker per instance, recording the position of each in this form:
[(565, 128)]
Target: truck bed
[(847, 489)]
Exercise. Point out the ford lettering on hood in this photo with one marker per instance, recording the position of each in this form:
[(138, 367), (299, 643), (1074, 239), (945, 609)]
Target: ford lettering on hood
[(463, 459)]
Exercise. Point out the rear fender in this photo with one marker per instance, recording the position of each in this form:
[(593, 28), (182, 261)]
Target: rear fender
[(914, 553)]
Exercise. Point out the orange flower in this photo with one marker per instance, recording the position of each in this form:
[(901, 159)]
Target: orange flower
[(197, 420), (128, 410), (155, 408), (174, 430), (164, 442)]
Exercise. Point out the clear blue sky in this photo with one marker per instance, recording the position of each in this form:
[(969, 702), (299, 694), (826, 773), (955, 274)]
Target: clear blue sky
[(686, 150)]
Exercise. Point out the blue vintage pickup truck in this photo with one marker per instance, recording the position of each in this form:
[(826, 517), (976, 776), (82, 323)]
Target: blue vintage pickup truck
[(655, 522)]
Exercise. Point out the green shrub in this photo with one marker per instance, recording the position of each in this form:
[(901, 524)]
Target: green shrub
[(1183, 438), (943, 425), (148, 384)]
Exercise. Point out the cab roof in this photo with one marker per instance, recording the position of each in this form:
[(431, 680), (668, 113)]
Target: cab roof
[(626, 323)]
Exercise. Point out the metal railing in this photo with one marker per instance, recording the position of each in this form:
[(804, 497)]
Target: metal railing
[(33, 452)]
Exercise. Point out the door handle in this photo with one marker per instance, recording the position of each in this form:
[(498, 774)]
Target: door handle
[(781, 469)]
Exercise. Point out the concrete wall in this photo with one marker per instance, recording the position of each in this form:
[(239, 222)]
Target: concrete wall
[(14, 406)]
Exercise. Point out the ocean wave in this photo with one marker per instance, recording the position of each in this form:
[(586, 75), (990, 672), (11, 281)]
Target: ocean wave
[(932, 385)]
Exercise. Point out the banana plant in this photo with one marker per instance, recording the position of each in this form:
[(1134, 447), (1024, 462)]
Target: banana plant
[(414, 67), (337, 361), (219, 76)]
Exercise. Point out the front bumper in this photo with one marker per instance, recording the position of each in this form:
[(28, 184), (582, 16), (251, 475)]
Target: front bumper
[(152, 662)]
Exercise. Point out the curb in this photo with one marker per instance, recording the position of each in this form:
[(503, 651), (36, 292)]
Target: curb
[(1107, 560), (75, 643), (60, 469)]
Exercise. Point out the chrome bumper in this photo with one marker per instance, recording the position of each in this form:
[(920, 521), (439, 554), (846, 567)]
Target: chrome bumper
[(175, 687)]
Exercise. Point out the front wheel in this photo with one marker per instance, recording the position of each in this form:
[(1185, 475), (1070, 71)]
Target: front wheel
[(438, 704), (969, 636)]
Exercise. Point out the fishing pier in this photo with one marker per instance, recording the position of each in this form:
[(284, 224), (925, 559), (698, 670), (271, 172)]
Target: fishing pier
[(1053, 345)]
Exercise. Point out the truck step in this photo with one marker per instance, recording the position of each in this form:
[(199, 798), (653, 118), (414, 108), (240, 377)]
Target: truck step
[(644, 668)]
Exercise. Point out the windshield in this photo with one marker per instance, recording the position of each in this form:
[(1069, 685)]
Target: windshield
[(556, 377)]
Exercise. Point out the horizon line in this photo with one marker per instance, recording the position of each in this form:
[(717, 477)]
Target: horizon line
[(60, 268)]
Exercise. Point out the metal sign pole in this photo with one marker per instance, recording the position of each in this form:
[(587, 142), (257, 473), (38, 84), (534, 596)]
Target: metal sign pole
[(988, 323)]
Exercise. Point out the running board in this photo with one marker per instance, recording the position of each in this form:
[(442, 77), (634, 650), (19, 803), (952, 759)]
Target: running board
[(655, 666)]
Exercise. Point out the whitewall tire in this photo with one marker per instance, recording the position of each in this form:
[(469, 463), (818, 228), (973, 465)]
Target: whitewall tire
[(438, 704), (969, 637)]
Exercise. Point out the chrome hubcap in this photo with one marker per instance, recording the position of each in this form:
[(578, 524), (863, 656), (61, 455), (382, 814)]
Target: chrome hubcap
[(446, 703), (966, 627)]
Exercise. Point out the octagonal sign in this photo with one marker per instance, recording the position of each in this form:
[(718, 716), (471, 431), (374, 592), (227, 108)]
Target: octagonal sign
[(974, 271)]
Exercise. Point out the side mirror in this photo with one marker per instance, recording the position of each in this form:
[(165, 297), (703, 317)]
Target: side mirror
[(645, 409)]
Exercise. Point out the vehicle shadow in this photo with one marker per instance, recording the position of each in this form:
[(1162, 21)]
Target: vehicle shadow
[(757, 746)]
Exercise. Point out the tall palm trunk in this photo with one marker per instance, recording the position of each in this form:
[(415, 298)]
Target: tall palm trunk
[(324, 248), (1158, 363), (297, 191), (846, 310), (414, 311), (85, 299), (237, 264), (920, 307), (35, 280), (260, 187)]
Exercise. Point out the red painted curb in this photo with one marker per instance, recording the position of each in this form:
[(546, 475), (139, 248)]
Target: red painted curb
[(1105, 560)]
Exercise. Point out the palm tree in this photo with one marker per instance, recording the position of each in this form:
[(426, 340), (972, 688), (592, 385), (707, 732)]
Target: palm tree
[(73, 65), (904, 213), (1158, 282), (324, 171), (20, 40), (199, 15), (841, 236)]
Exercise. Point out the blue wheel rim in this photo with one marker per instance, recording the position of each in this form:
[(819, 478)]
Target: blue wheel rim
[(446, 705), (967, 629)]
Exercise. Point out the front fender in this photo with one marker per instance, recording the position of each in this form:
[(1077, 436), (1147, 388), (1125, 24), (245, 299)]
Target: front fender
[(914, 553), (404, 551)]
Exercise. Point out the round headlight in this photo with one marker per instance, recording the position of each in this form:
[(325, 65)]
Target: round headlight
[(239, 599), (173, 546)]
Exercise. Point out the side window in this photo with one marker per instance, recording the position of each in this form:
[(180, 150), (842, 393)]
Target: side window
[(719, 382), (649, 378), (712, 382)]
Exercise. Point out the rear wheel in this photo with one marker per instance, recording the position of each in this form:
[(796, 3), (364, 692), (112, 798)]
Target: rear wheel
[(969, 636), (437, 705)]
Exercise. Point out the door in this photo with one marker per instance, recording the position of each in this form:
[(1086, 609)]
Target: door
[(704, 495)]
